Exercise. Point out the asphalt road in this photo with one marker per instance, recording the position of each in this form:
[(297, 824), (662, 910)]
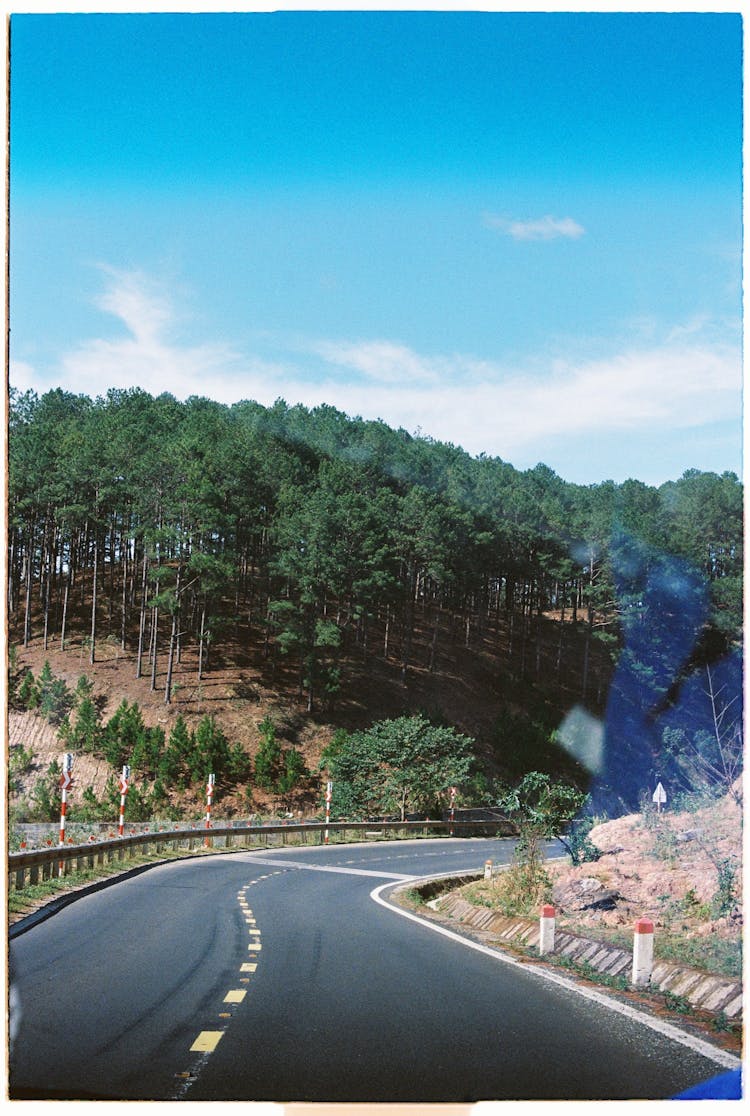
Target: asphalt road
[(276, 976)]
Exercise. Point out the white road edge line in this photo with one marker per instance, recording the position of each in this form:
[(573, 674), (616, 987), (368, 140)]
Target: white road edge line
[(398, 876), (720, 1057)]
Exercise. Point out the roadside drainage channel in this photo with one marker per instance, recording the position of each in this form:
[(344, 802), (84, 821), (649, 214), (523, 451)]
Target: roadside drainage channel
[(703, 991)]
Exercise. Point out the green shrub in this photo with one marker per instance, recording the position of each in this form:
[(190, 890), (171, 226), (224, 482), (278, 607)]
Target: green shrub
[(28, 694), (726, 896), (295, 771), (268, 758)]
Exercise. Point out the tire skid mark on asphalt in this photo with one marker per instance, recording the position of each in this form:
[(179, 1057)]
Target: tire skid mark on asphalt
[(207, 1041)]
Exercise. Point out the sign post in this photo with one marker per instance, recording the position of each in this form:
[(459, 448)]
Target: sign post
[(124, 785), (329, 791), (659, 796)]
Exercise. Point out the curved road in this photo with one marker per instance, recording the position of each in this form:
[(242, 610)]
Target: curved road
[(281, 976)]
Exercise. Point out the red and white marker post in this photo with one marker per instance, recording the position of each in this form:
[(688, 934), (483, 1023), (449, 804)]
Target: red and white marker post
[(453, 793), (124, 786), (65, 781), (329, 792), (643, 952), (547, 929), (209, 800)]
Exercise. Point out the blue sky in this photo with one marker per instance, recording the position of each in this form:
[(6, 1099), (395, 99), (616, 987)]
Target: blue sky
[(517, 233)]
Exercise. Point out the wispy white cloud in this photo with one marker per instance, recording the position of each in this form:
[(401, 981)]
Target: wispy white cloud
[(508, 412), (22, 375), (384, 361), (150, 356), (540, 228), (665, 389), (141, 304)]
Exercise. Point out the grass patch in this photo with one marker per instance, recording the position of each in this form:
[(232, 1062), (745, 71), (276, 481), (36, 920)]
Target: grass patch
[(708, 953), (721, 956), (617, 981)]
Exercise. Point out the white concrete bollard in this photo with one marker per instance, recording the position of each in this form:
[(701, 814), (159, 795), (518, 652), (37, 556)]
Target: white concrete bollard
[(488, 869), (547, 930), (643, 952)]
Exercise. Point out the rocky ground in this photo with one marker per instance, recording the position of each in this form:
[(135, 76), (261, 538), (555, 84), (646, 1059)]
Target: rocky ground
[(683, 870)]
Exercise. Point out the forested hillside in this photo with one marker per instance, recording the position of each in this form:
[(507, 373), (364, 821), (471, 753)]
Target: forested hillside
[(358, 571)]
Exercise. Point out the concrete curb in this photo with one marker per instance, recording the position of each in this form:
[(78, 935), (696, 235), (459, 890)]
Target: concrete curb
[(703, 991)]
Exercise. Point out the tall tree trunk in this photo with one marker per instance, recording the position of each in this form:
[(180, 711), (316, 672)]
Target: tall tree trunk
[(433, 645), (173, 638), (170, 657), (408, 625), (124, 600), (142, 617), (94, 588), (587, 652), (153, 648), (200, 642), (11, 586), (558, 664), (29, 563), (65, 611), (45, 588)]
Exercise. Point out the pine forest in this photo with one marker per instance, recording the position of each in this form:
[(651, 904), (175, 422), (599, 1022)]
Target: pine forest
[(356, 572)]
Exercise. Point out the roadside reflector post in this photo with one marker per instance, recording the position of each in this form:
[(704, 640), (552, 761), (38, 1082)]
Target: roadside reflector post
[(209, 800), (124, 786), (453, 793), (643, 952), (329, 792), (65, 780), (547, 930), (488, 869)]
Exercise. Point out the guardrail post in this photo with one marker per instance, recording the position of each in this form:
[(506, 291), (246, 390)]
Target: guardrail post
[(643, 952), (547, 930)]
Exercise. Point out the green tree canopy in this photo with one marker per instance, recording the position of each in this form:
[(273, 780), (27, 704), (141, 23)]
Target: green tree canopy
[(396, 766)]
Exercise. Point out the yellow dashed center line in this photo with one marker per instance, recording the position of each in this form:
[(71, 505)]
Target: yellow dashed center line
[(207, 1040)]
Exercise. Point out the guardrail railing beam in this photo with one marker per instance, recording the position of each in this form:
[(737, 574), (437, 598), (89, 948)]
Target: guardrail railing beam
[(30, 862)]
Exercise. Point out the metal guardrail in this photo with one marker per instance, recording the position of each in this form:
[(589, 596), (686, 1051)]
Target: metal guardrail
[(29, 866)]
